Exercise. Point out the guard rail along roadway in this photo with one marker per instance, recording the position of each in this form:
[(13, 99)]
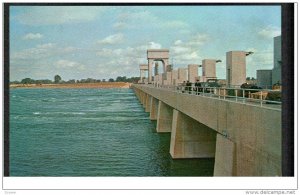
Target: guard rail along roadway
[(237, 127)]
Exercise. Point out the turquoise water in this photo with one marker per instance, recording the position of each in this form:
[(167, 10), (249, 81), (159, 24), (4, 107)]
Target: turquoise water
[(89, 132)]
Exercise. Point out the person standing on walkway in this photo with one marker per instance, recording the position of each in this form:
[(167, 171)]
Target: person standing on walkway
[(198, 87), (189, 86), (183, 87)]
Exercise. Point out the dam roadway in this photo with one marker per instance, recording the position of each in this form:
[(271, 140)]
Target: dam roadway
[(244, 138)]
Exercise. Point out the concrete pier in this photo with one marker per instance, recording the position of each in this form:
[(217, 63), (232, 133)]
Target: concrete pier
[(164, 118), (244, 139), (191, 139), (148, 103), (154, 108), (225, 160), (144, 99)]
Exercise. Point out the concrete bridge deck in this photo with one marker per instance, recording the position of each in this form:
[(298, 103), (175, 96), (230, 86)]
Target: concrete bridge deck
[(244, 139)]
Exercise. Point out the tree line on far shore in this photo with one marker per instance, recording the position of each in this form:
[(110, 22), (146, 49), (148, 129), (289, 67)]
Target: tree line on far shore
[(58, 80)]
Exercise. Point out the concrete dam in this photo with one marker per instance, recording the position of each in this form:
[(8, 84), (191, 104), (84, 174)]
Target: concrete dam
[(244, 138)]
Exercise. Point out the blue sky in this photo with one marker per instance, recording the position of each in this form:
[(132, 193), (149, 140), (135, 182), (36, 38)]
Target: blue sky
[(104, 42)]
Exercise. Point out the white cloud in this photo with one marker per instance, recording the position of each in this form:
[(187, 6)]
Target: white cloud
[(104, 52), (111, 53), (32, 36), (188, 51), (46, 46), (260, 59), (198, 40), (112, 39), (120, 25), (52, 15), (153, 45), (127, 20), (68, 49), (66, 64), (40, 52), (269, 32), (175, 24), (129, 52), (127, 61), (137, 15), (183, 52)]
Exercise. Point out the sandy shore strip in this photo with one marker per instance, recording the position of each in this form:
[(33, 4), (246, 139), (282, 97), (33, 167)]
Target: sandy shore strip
[(75, 85)]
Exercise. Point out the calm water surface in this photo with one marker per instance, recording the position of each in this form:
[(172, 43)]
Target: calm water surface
[(89, 132)]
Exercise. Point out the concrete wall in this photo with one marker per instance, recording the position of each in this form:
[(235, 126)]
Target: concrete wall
[(277, 51), (276, 72), (182, 75), (276, 75), (235, 68), (225, 161), (143, 66), (209, 68), (255, 131), (157, 53), (264, 78), (192, 72)]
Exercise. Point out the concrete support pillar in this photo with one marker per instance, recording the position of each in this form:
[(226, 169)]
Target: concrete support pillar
[(164, 118), (165, 63), (150, 62), (137, 93), (143, 68), (140, 96), (148, 103), (141, 78), (153, 108), (225, 160), (191, 139), (144, 97), (156, 69)]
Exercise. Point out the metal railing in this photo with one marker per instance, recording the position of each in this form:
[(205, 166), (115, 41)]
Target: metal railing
[(241, 95)]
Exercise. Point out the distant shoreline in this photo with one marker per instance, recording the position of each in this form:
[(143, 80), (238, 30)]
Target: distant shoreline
[(74, 85)]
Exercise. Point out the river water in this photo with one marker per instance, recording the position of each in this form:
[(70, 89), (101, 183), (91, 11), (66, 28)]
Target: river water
[(90, 132)]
